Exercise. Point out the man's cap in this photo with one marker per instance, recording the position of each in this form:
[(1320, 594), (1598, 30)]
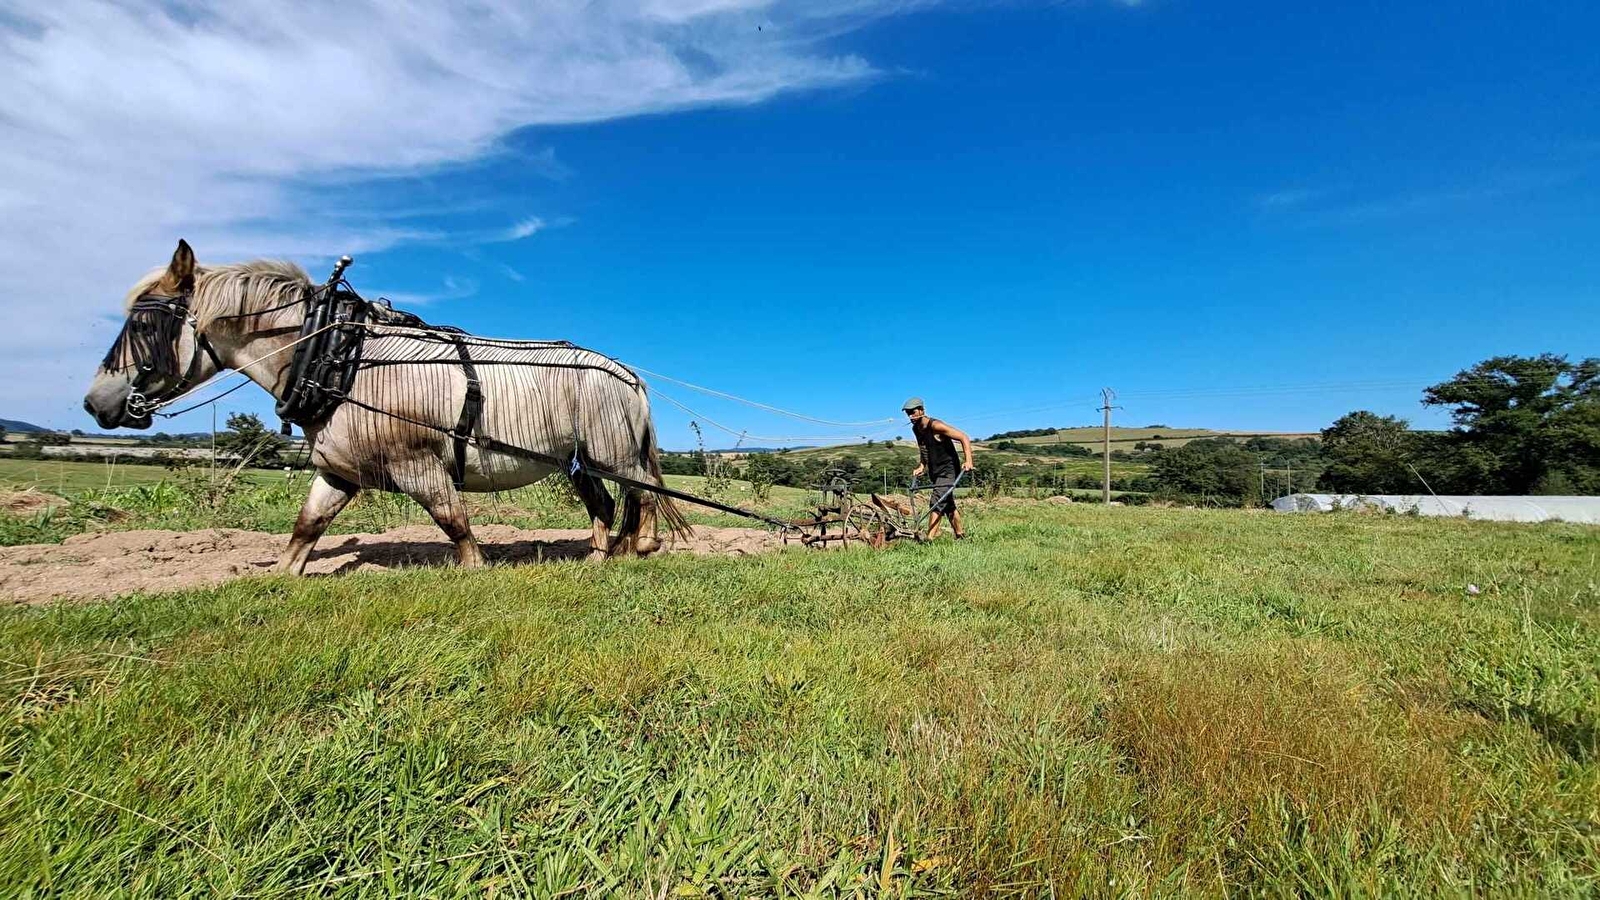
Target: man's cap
[(913, 403)]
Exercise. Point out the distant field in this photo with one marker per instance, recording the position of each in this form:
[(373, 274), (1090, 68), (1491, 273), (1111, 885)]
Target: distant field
[(1124, 438), (63, 477), (110, 441), (880, 452), (880, 455)]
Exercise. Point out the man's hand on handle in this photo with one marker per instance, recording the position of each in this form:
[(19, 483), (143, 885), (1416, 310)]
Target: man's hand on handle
[(919, 471)]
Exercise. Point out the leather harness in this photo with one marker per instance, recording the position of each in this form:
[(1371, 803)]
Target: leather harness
[(326, 361)]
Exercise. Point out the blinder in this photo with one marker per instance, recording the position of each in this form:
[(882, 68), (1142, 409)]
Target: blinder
[(149, 343)]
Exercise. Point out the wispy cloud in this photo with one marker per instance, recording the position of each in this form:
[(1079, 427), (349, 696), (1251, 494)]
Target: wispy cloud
[(450, 288), (124, 125), (1497, 188), (526, 228), (1342, 206), (1289, 199)]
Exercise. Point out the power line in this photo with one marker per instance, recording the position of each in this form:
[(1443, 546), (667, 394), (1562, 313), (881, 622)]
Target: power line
[(744, 434), (772, 409)]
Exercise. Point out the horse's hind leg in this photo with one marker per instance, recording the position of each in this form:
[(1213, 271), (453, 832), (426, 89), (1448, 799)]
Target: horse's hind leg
[(646, 542), (626, 543), (427, 482), (636, 536), (329, 494), (602, 511)]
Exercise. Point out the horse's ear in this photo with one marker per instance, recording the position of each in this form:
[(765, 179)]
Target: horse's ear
[(181, 269)]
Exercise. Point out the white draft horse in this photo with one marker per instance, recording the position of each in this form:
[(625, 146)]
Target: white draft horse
[(560, 402)]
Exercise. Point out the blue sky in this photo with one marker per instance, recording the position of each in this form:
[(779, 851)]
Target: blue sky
[(1244, 215)]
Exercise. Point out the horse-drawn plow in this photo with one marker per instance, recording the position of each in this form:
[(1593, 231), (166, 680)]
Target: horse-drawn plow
[(844, 516)]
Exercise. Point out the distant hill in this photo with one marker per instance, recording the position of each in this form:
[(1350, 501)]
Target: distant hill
[(729, 450), (1090, 436), (15, 425)]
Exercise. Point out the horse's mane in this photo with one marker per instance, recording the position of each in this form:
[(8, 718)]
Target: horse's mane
[(243, 288), (237, 289)]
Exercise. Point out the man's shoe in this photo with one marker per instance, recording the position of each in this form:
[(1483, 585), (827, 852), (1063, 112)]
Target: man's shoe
[(961, 536)]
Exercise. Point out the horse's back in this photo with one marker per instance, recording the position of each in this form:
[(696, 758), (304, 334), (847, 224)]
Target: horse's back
[(552, 399)]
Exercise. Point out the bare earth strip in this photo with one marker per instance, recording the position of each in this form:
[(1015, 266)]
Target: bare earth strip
[(107, 564)]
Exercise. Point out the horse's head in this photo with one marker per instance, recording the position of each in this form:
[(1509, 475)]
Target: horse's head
[(159, 352)]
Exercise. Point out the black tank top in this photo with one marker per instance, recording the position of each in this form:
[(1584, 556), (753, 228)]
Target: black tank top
[(937, 450)]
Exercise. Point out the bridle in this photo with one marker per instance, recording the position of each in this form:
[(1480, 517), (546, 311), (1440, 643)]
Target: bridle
[(150, 336)]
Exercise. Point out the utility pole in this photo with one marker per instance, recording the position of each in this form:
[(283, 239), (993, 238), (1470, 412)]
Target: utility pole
[(1106, 396)]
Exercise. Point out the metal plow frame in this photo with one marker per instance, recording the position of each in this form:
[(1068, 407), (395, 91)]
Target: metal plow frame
[(843, 516)]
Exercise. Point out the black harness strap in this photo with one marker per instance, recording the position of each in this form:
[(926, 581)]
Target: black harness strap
[(325, 358), (471, 409)]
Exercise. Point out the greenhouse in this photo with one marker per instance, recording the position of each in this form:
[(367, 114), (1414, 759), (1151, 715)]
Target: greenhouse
[(1498, 509)]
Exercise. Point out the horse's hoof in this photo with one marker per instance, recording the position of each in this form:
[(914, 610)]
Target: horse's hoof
[(646, 546)]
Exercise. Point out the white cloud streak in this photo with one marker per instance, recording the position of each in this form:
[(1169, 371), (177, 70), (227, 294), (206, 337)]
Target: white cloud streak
[(1342, 206), (526, 228), (1289, 199), (124, 125)]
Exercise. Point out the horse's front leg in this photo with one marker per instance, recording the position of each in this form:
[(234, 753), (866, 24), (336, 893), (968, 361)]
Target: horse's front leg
[(428, 482), (602, 510), (329, 494)]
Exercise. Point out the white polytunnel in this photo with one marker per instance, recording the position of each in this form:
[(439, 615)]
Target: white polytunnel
[(1585, 510)]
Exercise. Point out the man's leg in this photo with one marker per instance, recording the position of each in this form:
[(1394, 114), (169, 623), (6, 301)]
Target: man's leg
[(955, 524), (933, 526)]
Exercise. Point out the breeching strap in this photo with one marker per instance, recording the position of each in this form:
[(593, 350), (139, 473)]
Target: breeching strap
[(471, 408)]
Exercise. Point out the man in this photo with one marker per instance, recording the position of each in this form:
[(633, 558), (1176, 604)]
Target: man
[(936, 443)]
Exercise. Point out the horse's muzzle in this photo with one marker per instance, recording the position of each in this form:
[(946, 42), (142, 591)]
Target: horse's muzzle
[(107, 401)]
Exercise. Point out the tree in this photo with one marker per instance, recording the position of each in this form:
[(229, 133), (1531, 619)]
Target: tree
[(1368, 454), (849, 464), (248, 439), (770, 468), (1524, 424), (681, 464), (1214, 468)]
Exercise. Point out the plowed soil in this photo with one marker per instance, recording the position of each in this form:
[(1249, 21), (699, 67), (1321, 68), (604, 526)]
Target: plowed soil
[(108, 564)]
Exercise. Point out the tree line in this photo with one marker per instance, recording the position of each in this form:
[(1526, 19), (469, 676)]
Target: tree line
[(1521, 425)]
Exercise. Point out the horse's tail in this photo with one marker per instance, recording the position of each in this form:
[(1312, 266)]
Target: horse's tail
[(666, 507)]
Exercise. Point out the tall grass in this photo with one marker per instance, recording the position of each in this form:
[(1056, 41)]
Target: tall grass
[(196, 499), (1077, 702)]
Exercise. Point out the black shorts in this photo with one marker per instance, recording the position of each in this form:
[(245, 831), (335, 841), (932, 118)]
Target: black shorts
[(942, 487)]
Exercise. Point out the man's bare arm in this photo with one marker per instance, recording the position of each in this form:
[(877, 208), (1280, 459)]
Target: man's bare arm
[(956, 434)]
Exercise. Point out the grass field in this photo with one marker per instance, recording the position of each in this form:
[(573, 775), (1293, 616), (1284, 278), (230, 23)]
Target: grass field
[(145, 497), (1079, 701)]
